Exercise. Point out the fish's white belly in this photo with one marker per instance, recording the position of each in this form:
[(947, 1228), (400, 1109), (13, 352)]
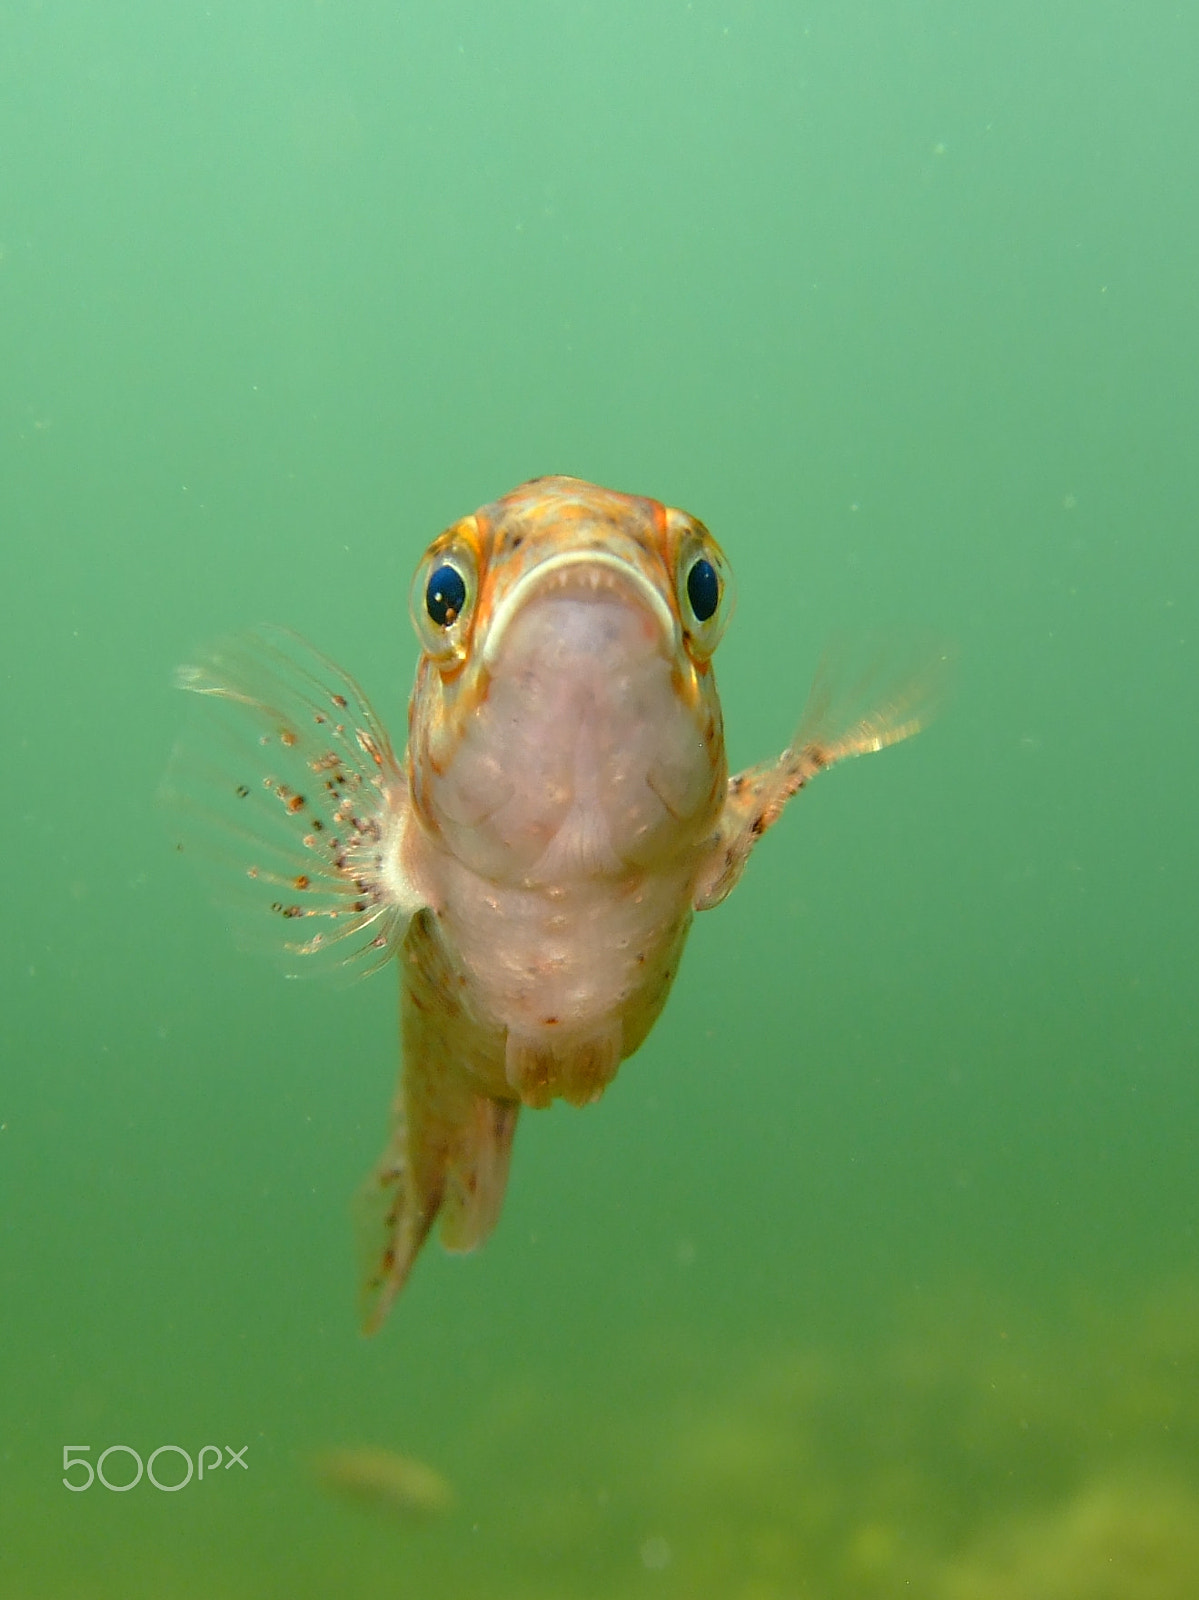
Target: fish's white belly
[(569, 958), (581, 763)]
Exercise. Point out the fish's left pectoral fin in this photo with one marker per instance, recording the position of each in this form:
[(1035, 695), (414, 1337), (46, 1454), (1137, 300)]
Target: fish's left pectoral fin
[(866, 695), (286, 789)]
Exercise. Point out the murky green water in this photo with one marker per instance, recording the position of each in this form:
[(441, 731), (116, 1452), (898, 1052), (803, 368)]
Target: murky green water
[(876, 1272)]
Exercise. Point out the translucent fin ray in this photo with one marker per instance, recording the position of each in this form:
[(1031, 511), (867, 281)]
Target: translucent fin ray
[(287, 790), (867, 694)]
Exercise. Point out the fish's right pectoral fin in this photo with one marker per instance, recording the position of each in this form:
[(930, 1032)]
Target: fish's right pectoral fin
[(287, 790)]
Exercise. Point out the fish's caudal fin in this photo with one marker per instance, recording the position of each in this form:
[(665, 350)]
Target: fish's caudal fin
[(448, 1152), (287, 788), (447, 1156), (477, 1173), (864, 697)]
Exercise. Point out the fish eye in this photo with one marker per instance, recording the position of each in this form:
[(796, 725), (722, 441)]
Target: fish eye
[(703, 589), (445, 595), (442, 598)]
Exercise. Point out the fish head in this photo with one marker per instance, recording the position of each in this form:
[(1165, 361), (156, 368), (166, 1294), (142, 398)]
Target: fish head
[(565, 721)]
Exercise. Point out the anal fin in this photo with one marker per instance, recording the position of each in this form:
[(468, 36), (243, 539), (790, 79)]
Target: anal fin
[(541, 1067)]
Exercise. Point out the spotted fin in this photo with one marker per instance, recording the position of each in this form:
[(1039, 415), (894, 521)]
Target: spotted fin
[(865, 696), (287, 788), (448, 1151), (579, 1068)]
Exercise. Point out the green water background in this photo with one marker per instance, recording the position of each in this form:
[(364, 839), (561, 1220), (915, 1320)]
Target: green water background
[(900, 298)]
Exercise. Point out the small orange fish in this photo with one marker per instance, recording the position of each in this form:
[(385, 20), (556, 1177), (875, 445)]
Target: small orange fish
[(534, 861), (397, 1486)]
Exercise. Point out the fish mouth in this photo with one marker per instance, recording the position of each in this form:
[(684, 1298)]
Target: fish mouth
[(580, 574)]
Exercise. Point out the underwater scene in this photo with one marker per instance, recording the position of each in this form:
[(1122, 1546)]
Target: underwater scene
[(851, 1251)]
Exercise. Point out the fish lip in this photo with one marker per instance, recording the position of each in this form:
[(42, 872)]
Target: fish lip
[(537, 576)]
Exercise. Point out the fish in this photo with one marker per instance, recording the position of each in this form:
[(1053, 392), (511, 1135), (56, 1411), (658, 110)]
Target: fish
[(382, 1480), (534, 860)]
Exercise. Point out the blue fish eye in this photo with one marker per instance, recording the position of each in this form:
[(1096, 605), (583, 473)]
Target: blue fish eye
[(445, 595), (703, 589)]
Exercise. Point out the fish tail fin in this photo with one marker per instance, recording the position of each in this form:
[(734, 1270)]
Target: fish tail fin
[(477, 1173), (454, 1172), (450, 1142), (394, 1212)]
